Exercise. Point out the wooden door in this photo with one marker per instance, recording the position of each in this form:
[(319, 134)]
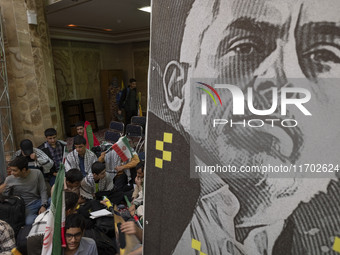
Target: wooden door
[(106, 78)]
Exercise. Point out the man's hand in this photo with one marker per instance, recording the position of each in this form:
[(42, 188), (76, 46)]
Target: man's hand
[(119, 168), (42, 209), (138, 181), (55, 174), (131, 228), (119, 112), (132, 210), (33, 156), (102, 157)]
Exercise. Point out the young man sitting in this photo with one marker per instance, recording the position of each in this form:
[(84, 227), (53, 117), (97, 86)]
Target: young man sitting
[(137, 203), (54, 149), (30, 185), (80, 158), (35, 237), (73, 178), (97, 181), (118, 171), (75, 242), (37, 158)]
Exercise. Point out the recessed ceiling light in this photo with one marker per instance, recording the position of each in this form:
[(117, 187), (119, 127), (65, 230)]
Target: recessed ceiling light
[(90, 27), (145, 9)]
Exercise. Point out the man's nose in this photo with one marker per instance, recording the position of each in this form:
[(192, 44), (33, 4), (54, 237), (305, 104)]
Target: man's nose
[(279, 68)]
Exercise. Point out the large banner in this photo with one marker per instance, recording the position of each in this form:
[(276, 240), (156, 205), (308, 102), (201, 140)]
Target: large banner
[(243, 149)]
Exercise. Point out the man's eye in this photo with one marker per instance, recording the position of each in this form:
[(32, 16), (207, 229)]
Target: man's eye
[(244, 47), (323, 54)]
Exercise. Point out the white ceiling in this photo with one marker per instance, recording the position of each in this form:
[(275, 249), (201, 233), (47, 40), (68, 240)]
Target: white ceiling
[(128, 24)]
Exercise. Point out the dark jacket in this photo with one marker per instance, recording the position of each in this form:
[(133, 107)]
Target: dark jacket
[(48, 153), (126, 102)]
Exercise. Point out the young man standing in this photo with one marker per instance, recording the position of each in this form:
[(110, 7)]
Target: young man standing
[(80, 158), (129, 101), (30, 185), (76, 244), (54, 149)]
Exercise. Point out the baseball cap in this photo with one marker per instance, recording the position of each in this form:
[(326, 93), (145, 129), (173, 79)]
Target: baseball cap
[(26, 147)]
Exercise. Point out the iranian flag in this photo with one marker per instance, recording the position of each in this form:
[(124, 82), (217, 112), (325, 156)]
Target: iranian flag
[(54, 237), (123, 149)]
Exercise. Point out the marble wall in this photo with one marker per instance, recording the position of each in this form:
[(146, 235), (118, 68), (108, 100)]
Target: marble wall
[(77, 67), (141, 66), (30, 71), (78, 64)]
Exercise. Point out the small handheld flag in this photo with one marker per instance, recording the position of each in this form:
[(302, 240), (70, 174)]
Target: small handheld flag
[(123, 149)]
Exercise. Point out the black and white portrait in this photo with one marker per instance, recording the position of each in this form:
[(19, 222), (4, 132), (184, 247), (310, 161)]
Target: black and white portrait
[(252, 87)]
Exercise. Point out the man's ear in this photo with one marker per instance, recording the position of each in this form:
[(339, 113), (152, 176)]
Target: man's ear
[(173, 83)]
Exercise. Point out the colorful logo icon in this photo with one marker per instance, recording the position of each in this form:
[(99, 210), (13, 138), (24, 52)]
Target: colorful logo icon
[(204, 96)]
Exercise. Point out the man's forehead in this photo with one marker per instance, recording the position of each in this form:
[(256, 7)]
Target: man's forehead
[(213, 16), (320, 11), (270, 11)]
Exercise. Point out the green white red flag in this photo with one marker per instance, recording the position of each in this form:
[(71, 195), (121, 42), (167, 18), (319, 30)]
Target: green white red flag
[(123, 149), (54, 238)]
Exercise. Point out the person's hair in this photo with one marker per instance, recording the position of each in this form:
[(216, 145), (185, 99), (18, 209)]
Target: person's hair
[(80, 124), (20, 162), (79, 139), (140, 165), (71, 200), (97, 167), (75, 221), (74, 175), (50, 132), (132, 80)]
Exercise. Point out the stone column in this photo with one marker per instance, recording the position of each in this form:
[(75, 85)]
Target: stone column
[(30, 71)]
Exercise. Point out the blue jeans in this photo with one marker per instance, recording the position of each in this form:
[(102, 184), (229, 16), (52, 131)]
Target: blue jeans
[(32, 211)]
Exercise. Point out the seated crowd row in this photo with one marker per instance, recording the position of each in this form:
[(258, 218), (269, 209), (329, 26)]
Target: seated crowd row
[(87, 177)]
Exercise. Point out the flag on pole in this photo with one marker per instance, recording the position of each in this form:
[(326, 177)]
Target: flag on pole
[(140, 112), (54, 238), (123, 149), (91, 139)]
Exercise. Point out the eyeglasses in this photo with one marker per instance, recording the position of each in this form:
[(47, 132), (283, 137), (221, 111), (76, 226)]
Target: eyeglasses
[(70, 236)]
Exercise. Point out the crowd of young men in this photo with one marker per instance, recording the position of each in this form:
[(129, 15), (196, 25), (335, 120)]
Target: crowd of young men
[(32, 175)]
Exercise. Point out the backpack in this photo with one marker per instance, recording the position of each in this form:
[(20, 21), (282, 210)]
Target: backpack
[(12, 210), (105, 245)]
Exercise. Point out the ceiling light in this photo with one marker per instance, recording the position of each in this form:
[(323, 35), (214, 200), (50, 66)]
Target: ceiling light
[(71, 25), (145, 9)]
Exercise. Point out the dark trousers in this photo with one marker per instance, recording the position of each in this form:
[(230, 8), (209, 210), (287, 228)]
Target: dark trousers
[(129, 115), (120, 183)]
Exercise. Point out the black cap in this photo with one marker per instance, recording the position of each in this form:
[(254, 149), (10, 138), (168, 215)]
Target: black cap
[(26, 147)]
